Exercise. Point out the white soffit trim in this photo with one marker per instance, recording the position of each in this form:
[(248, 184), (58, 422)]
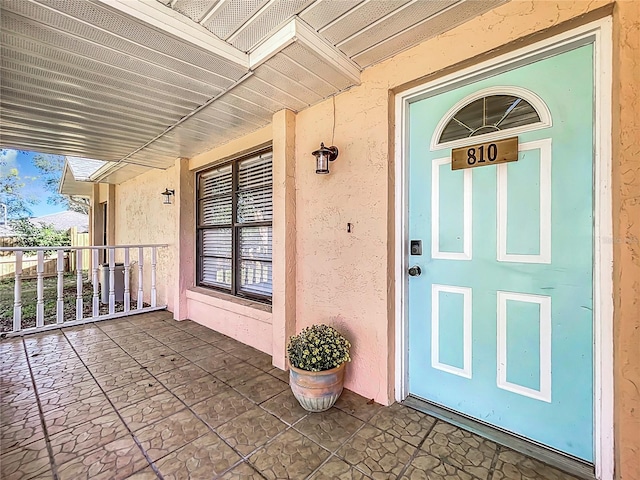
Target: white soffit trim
[(297, 30), (67, 176), (159, 16), (107, 169)]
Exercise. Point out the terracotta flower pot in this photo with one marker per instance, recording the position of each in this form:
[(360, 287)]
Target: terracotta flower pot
[(317, 391)]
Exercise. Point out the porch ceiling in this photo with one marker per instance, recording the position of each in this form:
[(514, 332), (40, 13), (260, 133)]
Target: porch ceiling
[(143, 83)]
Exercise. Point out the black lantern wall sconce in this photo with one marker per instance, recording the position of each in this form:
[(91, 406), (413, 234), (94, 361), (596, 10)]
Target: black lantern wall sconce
[(167, 196), (324, 155)]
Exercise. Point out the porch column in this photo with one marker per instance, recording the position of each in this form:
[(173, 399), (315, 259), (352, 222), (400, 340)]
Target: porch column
[(111, 215), (186, 238), (96, 216), (284, 234), (93, 219)]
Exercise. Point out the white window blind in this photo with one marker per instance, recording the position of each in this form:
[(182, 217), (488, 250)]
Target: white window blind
[(235, 213)]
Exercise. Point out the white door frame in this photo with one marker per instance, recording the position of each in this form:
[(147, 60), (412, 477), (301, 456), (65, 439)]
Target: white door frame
[(600, 34)]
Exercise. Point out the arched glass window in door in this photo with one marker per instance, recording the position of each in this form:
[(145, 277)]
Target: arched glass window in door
[(489, 114)]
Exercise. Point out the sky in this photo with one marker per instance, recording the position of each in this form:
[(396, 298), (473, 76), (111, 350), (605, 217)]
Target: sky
[(33, 185)]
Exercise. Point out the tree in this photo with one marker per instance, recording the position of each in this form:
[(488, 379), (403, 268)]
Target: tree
[(51, 168), (33, 234), (11, 185)]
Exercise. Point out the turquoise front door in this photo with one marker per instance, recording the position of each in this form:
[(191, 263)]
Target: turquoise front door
[(501, 316)]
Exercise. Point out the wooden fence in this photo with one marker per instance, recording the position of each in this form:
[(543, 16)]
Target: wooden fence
[(30, 262), (79, 240), (8, 242), (29, 266)]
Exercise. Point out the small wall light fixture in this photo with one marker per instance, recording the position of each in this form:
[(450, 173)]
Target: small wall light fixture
[(167, 196), (324, 155)]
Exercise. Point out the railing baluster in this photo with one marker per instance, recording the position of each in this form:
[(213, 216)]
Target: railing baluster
[(140, 277), (40, 289), (17, 295), (60, 298), (112, 282), (79, 284), (153, 276), (127, 293), (94, 276), (53, 268)]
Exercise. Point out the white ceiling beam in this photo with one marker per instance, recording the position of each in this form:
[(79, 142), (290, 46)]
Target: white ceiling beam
[(297, 30), (339, 18), (177, 25), (376, 23), (309, 37), (310, 7), (232, 36), (415, 25), (281, 39), (212, 10)]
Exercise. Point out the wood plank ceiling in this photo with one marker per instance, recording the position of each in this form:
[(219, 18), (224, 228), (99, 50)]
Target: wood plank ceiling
[(139, 84)]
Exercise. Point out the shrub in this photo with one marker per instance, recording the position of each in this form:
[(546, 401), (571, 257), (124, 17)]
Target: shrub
[(32, 234), (317, 348)]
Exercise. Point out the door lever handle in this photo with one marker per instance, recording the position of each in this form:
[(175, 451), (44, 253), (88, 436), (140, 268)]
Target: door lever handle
[(415, 271)]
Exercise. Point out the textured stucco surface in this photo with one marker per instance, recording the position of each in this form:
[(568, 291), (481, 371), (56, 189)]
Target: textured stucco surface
[(185, 247), (626, 237), (284, 233), (235, 318), (143, 219), (104, 193), (341, 276)]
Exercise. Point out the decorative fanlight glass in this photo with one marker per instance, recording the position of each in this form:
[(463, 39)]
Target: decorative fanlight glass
[(489, 114)]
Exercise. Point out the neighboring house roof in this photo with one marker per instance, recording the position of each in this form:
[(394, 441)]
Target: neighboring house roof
[(6, 231), (65, 221), (60, 221)]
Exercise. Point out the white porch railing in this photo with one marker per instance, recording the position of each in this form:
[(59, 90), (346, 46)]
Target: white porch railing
[(93, 300)]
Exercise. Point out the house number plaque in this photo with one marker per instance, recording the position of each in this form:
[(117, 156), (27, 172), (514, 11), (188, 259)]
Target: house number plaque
[(489, 153)]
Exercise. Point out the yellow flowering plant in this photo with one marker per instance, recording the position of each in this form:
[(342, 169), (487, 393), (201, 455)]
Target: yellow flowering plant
[(317, 348)]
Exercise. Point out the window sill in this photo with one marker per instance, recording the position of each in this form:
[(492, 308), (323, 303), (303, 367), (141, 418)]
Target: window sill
[(230, 302)]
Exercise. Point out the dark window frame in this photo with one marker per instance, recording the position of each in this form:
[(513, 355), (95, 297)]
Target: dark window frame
[(235, 227)]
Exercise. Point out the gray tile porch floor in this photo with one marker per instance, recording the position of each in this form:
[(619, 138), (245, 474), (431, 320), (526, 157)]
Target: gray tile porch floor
[(147, 397)]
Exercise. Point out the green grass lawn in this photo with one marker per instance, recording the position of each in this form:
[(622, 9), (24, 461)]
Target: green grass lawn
[(29, 301)]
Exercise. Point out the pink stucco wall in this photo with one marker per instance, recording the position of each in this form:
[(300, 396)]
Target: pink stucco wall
[(341, 276), (246, 321), (626, 233), (141, 218), (243, 320)]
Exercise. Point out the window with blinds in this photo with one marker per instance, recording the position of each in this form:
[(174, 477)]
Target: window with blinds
[(235, 213)]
